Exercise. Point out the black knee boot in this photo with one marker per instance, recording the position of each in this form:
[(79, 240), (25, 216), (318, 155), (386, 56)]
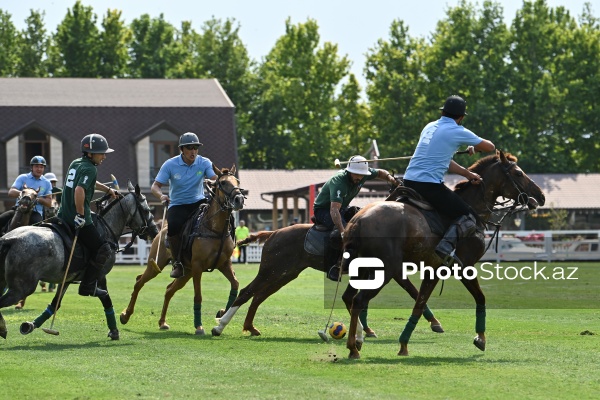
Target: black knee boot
[(175, 246), (332, 256), (89, 283), (464, 226)]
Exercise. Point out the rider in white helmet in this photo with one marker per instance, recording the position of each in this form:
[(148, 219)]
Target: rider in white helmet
[(334, 198)]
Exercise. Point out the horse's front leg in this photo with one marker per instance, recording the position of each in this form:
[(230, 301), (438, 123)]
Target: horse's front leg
[(154, 266), (28, 327), (198, 305), (473, 287), (169, 293), (109, 311), (427, 286), (408, 286)]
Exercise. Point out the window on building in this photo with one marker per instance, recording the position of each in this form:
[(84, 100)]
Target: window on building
[(33, 143), (163, 146)]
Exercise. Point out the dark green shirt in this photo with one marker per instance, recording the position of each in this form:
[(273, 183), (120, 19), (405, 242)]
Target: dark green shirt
[(82, 172), (340, 189)]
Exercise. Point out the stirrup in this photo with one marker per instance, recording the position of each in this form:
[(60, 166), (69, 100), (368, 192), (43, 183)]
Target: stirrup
[(450, 259), (177, 271)]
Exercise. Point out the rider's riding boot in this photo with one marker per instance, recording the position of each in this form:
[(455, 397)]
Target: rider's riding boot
[(332, 257), (175, 245), (89, 283), (464, 226)]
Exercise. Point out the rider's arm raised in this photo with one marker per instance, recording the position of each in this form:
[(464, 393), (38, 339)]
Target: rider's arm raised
[(485, 146)]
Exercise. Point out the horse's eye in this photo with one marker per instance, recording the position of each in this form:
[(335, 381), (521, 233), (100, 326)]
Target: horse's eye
[(519, 173)]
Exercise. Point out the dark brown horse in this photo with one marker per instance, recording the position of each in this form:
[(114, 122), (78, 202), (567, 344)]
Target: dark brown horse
[(283, 258), (211, 249), (397, 233)]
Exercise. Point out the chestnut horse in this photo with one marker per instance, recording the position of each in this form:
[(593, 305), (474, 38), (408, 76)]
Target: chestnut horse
[(396, 233), (283, 258), (211, 249)]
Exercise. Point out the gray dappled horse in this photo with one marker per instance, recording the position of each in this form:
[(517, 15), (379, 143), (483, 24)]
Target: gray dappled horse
[(396, 232), (210, 249), (32, 253)]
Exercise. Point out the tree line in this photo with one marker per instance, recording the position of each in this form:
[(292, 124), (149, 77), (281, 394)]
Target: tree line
[(532, 87)]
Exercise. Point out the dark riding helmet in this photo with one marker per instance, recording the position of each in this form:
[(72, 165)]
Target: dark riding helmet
[(95, 144), (455, 105), (38, 160), (189, 138)]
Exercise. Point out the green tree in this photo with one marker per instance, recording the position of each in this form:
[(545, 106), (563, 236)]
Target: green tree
[(294, 118), (33, 46), (152, 48), (113, 46), (541, 47), (353, 122), (8, 45), (396, 92), (74, 48)]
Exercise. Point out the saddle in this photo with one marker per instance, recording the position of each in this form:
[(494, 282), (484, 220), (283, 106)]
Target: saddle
[(407, 195), (193, 228)]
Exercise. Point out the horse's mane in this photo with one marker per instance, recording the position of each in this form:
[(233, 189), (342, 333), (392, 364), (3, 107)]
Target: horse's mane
[(480, 165)]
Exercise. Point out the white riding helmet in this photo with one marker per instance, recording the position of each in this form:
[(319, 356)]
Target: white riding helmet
[(51, 177), (358, 165)]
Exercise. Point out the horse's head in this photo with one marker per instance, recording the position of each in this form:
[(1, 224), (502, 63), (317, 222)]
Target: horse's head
[(503, 177), (227, 190), (27, 200), (142, 221)]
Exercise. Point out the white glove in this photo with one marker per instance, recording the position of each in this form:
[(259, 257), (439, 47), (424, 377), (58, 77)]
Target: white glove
[(79, 221)]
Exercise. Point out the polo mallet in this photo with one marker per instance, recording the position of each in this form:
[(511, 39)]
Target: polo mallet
[(62, 288), (339, 163), (323, 332), (154, 263)]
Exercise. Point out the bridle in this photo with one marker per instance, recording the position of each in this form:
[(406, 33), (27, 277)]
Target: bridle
[(227, 203)]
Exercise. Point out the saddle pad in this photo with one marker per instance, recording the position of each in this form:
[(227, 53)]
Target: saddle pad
[(314, 242)]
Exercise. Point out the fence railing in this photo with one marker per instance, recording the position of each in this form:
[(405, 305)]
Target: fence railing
[(512, 246)]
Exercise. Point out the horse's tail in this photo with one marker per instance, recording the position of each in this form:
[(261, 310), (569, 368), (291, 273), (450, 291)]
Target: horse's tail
[(261, 237)]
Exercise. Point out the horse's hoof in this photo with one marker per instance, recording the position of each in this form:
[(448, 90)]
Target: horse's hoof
[(354, 355), (253, 331), (359, 346), (19, 306), (220, 313), (26, 328), (479, 343), (437, 328), (370, 333), (200, 331), (215, 332), (124, 318), (3, 334), (403, 349), (113, 334), (164, 326)]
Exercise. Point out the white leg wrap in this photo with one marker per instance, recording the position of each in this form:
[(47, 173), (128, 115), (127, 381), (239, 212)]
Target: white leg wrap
[(226, 318)]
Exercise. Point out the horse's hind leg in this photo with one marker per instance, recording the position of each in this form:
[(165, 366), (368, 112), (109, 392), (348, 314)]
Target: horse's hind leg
[(228, 272), (9, 298), (427, 286), (244, 295), (169, 293), (149, 273), (408, 286), (28, 327)]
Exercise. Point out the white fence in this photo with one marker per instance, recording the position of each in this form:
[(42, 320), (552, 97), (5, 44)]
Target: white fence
[(512, 246)]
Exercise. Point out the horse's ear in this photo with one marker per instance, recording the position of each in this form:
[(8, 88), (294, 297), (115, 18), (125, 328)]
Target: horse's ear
[(130, 187), (232, 170), (217, 170), (24, 186), (502, 157), (138, 192)]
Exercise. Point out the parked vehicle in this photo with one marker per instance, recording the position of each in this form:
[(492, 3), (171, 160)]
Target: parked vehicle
[(586, 249), (513, 249)]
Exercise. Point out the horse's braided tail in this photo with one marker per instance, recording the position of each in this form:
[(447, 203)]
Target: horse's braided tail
[(261, 237)]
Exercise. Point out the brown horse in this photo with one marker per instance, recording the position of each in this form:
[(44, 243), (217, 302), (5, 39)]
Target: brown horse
[(283, 258), (210, 249), (396, 233)]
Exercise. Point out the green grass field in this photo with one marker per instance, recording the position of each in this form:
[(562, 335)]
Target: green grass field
[(530, 354)]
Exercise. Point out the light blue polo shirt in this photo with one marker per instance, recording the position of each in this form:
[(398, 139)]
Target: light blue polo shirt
[(186, 182), (34, 183), (438, 142)]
